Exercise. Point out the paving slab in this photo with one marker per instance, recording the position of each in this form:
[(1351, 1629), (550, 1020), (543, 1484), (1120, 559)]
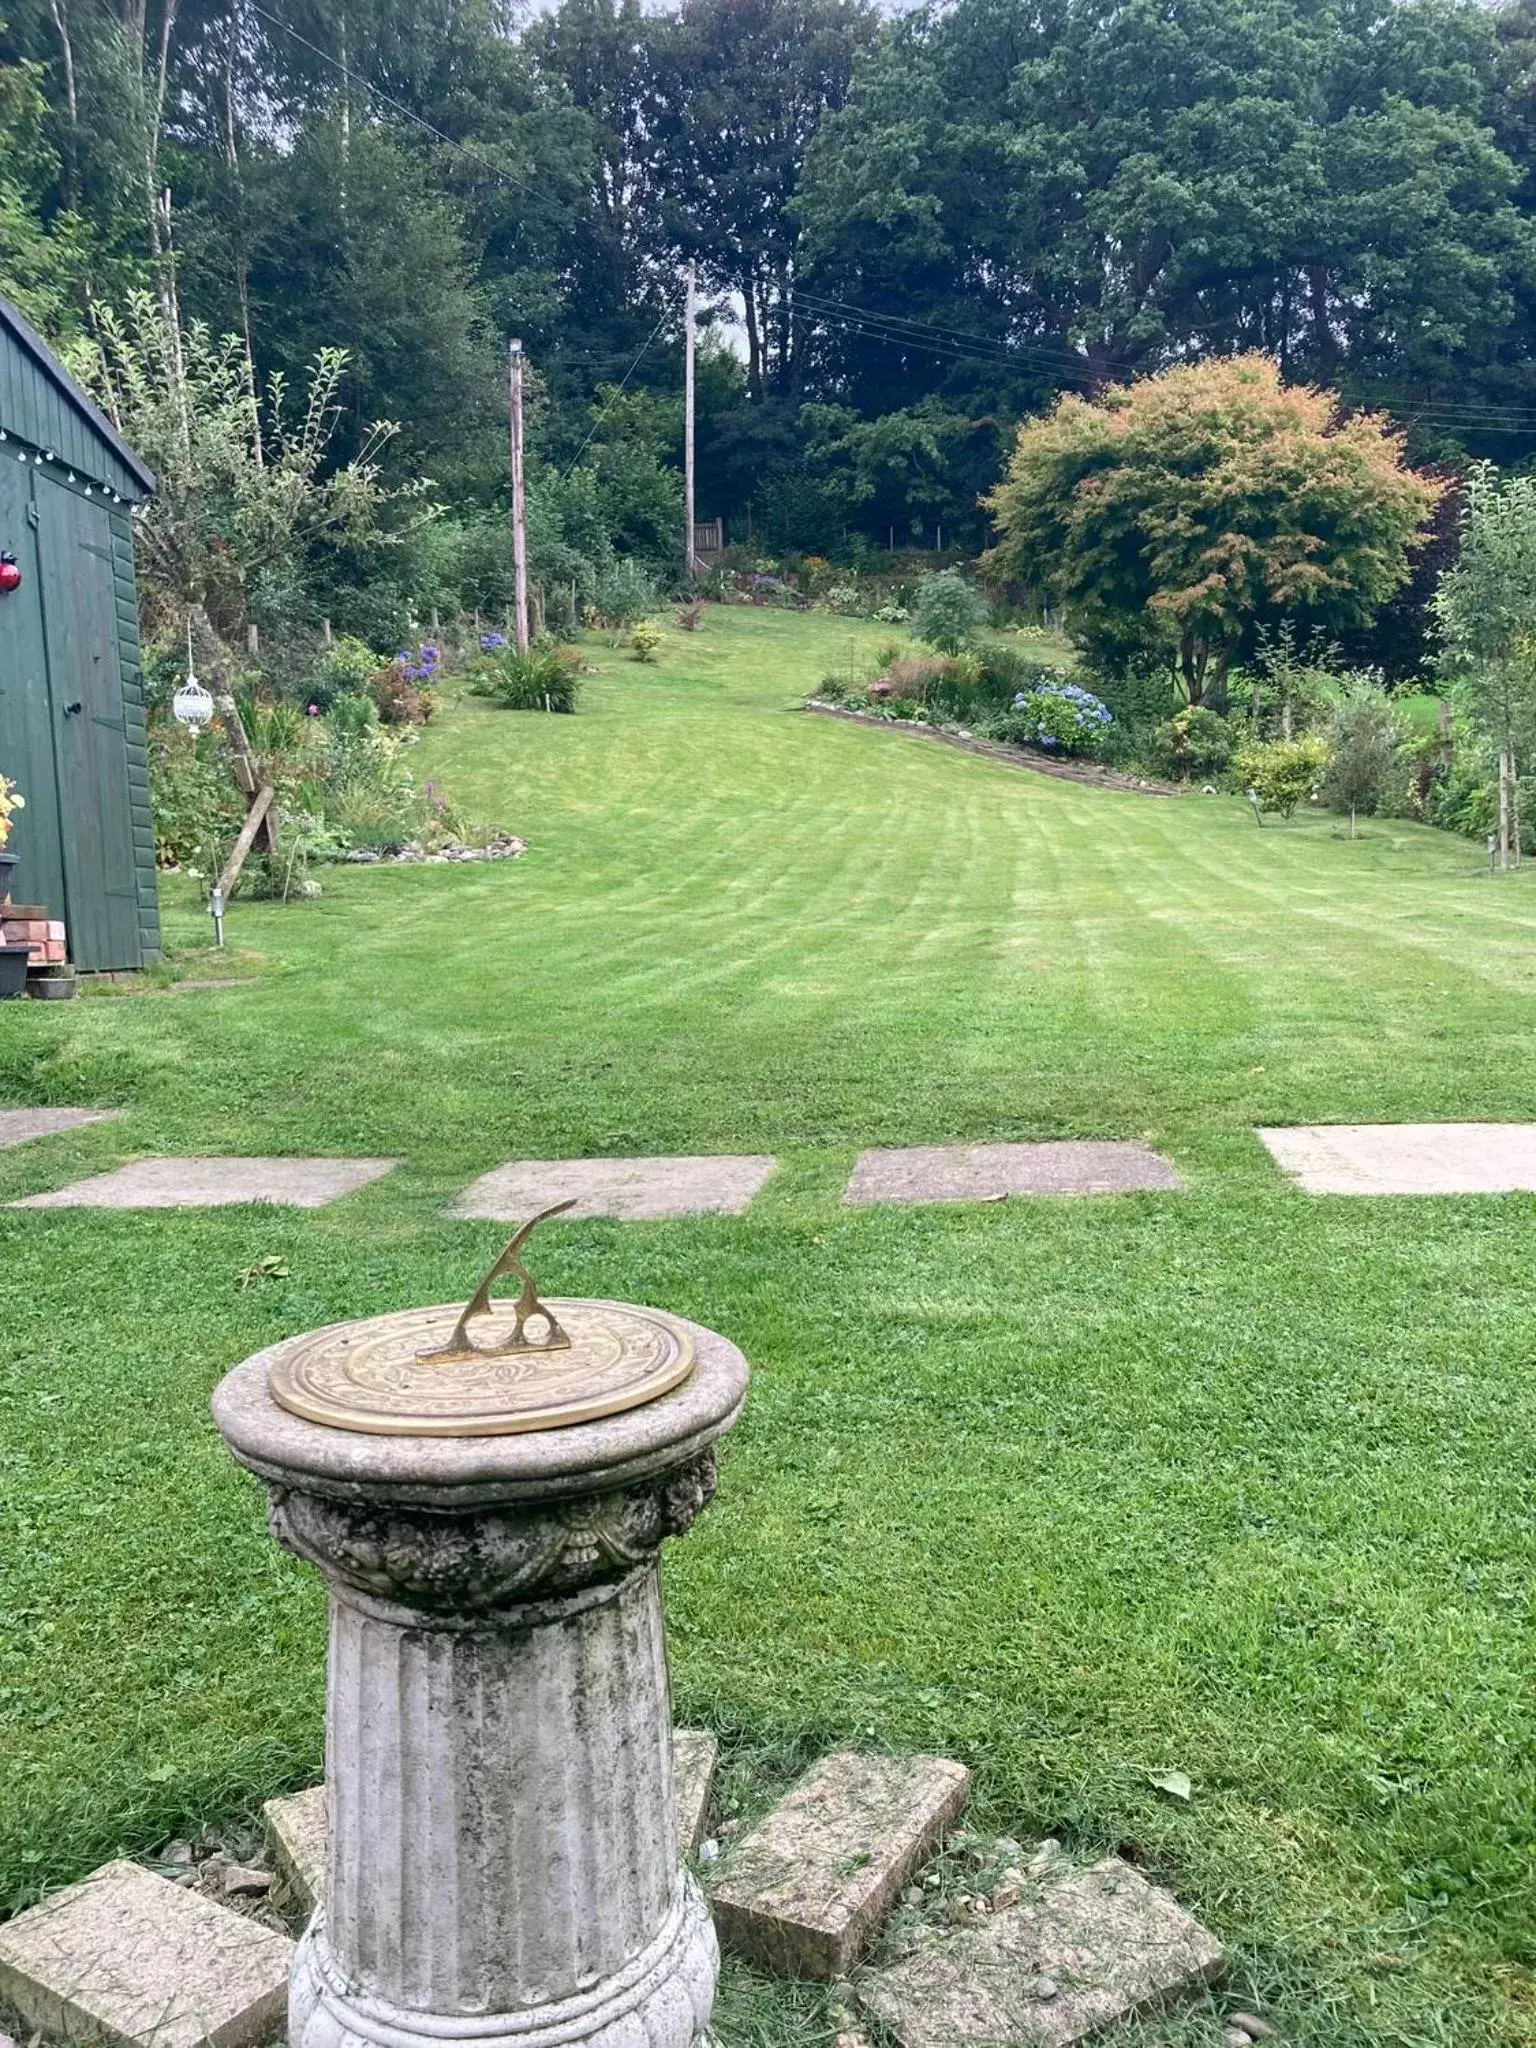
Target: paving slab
[(296, 1826), (804, 1893), (634, 1190), (986, 1173), (214, 1183), (18, 1126), (1407, 1159), (127, 1958), (296, 1837), (695, 1753), (1098, 1946)]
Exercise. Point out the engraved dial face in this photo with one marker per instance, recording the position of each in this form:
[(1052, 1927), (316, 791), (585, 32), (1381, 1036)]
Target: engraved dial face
[(368, 1376)]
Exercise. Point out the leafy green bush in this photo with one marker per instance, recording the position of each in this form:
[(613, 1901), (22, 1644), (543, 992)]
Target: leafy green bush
[(1280, 773), (645, 640), (198, 810), (1194, 742), (345, 668), (549, 681), (624, 593), (1061, 717), (946, 612), (1365, 760)]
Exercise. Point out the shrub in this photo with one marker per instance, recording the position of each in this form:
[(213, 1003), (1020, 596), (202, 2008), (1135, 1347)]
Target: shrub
[(893, 614), (197, 809), (947, 612), (1365, 761), (1195, 741), (844, 599), (345, 668), (624, 593), (1060, 717), (396, 696), (1280, 773), (528, 682), (691, 616), (645, 640)]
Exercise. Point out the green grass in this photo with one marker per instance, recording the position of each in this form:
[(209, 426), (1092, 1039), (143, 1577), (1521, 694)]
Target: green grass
[(1235, 1480)]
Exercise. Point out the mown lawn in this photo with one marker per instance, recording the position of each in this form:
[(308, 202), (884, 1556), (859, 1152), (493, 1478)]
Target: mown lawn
[(1235, 1481)]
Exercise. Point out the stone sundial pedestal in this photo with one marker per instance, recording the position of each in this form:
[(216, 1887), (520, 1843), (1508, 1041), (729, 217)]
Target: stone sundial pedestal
[(503, 1865)]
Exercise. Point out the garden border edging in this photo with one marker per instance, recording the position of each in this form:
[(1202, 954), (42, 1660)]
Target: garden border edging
[(994, 750)]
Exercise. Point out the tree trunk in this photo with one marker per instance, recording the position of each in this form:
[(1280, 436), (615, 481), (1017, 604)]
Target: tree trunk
[(1504, 809), (1322, 328), (754, 342), (1514, 808)]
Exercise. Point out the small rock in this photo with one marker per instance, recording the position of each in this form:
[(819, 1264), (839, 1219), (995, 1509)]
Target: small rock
[(709, 1852), (727, 1828), (239, 1879), (1235, 2037), (1045, 1987), (852, 2039), (1007, 1848), (965, 1909), (913, 1895), (1255, 2028), (1007, 1894), (175, 1852), (7, 2041), (1044, 1857)]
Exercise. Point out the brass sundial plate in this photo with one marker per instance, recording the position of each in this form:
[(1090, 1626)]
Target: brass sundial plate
[(369, 1376)]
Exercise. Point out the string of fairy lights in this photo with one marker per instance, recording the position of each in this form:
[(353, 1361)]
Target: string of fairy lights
[(40, 458)]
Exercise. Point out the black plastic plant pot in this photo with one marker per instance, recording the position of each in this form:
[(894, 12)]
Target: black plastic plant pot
[(13, 970)]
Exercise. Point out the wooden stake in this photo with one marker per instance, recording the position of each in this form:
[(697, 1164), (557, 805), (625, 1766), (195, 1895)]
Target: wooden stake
[(519, 522), (690, 559), (325, 631), (1504, 809), (255, 818)]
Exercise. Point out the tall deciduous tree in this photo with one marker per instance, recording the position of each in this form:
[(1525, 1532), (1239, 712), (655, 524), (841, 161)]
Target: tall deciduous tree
[(1486, 607), (1181, 512)]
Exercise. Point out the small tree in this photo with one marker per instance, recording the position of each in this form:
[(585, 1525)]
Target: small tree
[(947, 613), (1365, 755), (1280, 774), (1179, 513), (1486, 609)]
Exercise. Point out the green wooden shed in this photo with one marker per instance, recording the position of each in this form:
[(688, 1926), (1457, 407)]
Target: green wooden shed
[(71, 689)]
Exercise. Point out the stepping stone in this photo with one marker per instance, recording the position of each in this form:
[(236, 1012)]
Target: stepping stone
[(296, 1834), (296, 1826), (695, 1753), (985, 1173), (1407, 1159), (127, 1958), (213, 1183), (18, 1126), (635, 1190), (1100, 1945), (805, 1892)]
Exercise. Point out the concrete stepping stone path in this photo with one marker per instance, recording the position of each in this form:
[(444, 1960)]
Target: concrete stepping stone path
[(1097, 1946), (214, 1183), (20, 1126), (127, 1958), (987, 1173), (634, 1190), (805, 1891), (296, 1826), (1407, 1159)]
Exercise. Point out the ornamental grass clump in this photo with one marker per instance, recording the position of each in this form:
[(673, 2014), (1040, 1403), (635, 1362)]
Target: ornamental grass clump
[(546, 681)]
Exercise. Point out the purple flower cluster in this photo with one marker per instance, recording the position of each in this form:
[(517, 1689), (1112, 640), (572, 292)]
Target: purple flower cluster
[(492, 643), (425, 666)]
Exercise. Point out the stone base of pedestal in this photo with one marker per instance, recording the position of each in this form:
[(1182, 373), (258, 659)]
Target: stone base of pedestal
[(661, 1999)]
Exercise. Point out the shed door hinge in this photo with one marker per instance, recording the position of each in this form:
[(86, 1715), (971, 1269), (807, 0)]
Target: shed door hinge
[(32, 517)]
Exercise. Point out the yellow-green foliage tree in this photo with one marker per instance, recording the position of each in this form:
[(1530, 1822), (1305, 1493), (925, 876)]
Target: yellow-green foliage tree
[(1178, 513)]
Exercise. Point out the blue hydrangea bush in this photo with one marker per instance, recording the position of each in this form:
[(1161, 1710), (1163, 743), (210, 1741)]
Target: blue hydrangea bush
[(1059, 717)]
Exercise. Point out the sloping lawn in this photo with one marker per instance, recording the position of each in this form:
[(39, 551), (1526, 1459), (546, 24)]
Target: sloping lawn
[(1235, 1481)]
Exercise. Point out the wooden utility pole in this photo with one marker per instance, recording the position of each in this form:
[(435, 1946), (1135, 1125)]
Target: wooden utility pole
[(690, 559), (519, 522)]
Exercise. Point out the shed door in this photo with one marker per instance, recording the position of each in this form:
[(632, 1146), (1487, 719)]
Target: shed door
[(90, 743), (26, 718)]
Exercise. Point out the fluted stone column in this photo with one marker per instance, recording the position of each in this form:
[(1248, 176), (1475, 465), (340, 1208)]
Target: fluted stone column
[(503, 1865)]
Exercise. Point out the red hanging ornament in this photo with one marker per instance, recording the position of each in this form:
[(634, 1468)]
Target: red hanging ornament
[(10, 573)]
